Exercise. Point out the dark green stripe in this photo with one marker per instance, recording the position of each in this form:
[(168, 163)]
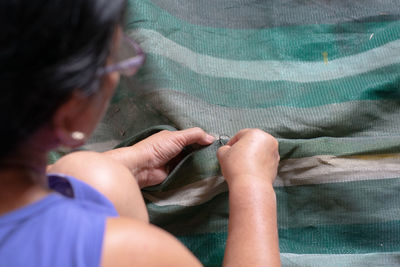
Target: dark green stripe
[(369, 201), (298, 148), (306, 43), (208, 248), (340, 239), (375, 85), (275, 13)]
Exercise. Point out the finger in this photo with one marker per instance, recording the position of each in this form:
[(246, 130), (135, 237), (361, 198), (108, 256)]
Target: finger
[(195, 136), (154, 177), (237, 136), (222, 151)]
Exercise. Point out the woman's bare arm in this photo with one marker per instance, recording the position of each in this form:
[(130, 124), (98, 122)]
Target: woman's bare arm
[(252, 235), (130, 242), (249, 164)]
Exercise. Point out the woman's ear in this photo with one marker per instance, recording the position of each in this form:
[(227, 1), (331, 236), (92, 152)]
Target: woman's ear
[(72, 121)]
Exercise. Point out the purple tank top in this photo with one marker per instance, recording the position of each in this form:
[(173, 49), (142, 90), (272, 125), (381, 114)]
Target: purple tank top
[(65, 228)]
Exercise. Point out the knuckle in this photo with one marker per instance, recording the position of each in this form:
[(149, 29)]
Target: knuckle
[(247, 132), (197, 129), (191, 133), (199, 132), (274, 142), (258, 132), (269, 140)]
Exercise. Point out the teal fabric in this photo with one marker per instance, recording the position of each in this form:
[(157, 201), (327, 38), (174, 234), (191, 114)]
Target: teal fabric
[(323, 77)]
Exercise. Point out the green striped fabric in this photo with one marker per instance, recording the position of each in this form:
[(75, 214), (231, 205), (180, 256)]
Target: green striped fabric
[(321, 76)]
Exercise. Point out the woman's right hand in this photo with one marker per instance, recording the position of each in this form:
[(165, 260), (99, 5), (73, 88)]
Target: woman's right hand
[(250, 156), (249, 163)]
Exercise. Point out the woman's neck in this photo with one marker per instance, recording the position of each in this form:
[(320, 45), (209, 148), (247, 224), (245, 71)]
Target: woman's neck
[(22, 179)]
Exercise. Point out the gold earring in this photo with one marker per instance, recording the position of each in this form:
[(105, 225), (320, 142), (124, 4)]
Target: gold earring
[(78, 136)]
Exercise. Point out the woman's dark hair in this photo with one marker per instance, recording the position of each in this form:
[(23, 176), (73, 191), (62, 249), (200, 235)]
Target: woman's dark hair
[(48, 49)]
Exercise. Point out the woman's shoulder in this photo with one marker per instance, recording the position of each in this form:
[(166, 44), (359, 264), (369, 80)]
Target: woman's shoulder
[(55, 231), (82, 194), (130, 242)]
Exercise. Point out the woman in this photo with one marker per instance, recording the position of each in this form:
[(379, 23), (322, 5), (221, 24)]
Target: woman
[(59, 66)]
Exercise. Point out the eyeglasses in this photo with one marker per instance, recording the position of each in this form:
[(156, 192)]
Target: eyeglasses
[(130, 57)]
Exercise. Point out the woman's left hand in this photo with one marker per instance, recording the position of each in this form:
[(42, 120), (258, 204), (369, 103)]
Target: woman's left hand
[(148, 160)]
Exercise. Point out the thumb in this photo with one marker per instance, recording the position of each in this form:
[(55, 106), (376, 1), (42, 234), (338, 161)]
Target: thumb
[(195, 135)]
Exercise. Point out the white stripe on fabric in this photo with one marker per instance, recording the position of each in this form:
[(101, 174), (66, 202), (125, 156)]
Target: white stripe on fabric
[(292, 172), (324, 169), (270, 70), (342, 260)]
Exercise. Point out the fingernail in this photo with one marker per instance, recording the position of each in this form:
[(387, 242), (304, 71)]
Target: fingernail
[(210, 138)]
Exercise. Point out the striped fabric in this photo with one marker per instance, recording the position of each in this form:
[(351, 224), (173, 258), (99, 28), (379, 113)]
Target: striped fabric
[(321, 76)]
